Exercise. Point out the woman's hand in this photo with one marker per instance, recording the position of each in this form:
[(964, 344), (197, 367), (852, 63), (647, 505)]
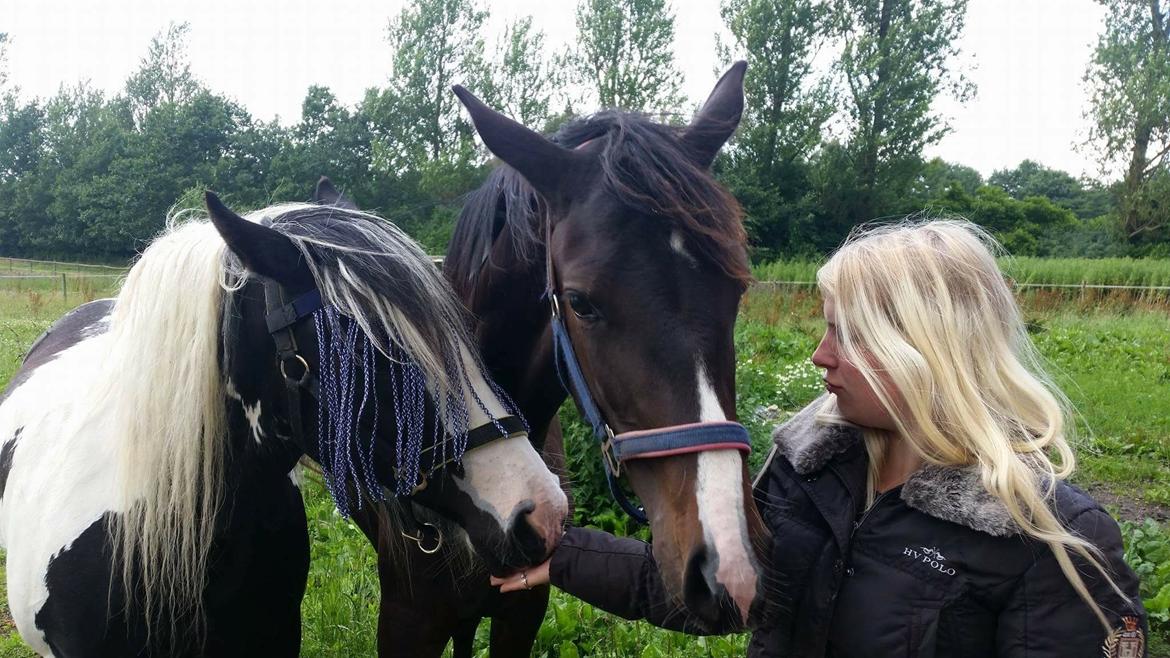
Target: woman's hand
[(522, 580)]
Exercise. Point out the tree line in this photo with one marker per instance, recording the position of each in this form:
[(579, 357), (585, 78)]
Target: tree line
[(841, 98)]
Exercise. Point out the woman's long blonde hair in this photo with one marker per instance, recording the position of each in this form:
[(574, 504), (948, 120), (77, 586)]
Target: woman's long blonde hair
[(923, 306)]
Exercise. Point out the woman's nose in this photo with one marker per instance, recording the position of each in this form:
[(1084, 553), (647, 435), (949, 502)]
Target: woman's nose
[(824, 356)]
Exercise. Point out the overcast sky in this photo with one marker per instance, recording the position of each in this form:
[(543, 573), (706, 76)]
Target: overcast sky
[(1026, 56)]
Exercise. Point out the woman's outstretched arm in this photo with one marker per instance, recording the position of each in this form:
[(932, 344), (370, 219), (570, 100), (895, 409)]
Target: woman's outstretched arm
[(618, 575)]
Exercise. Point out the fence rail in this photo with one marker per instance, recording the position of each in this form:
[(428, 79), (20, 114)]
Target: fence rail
[(4, 277), (66, 271), (11, 263), (1042, 286)]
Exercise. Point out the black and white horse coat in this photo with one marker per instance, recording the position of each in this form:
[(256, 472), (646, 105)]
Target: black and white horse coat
[(88, 440)]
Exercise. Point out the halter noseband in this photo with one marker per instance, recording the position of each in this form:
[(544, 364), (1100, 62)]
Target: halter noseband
[(282, 316), (616, 449)]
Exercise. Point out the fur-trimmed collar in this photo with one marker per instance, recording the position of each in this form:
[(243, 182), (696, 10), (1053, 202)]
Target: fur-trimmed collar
[(948, 493)]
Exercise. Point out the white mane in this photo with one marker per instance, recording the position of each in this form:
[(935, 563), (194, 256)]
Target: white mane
[(163, 389)]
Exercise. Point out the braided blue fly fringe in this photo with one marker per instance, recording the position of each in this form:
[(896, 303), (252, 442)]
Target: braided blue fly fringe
[(349, 393)]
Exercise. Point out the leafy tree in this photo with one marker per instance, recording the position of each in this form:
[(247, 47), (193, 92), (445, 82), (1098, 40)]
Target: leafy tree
[(330, 139), (522, 82), (3, 60), (164, 74), (1129, 80), (1030, 178), (898, 57), (785, 109), (436, 43), (625, 54), (938, 175), (21, 142)]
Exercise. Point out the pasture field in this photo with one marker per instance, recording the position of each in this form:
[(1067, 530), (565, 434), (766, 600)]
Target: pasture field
[(1110, 354), (1028, 270)]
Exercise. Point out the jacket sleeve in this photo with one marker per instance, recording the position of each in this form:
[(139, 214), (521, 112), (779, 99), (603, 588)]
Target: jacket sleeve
[(618, 575), (1046, 618)]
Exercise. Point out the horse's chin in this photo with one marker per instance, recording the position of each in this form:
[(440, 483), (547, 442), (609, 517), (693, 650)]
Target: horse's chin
[(505, 565)]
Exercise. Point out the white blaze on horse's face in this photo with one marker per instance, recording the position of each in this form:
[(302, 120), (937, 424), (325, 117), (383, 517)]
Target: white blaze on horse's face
[(508, 480), (678, 244), (719, 491)]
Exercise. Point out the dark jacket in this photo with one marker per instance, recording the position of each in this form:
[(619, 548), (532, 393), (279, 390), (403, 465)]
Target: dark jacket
[(936, 567)]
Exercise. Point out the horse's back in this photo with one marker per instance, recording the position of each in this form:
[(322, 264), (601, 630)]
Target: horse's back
[(55, 463), (83, 322)]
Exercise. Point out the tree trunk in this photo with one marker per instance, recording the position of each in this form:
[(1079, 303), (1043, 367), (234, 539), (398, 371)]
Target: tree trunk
[(1132, 217), (866, 207)]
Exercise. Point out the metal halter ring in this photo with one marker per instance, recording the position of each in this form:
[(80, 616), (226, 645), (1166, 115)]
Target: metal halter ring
[(524, 579), (304, 378), (419, 539)]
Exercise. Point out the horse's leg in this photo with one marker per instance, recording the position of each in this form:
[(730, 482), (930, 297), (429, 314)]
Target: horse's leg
[(413, 621), (515, 625), (411, 637), (463, 642), (414, 626)]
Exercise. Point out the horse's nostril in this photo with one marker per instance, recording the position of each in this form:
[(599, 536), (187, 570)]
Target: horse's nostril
[(523, 509), (697, 585), (701, 594), (526, 534)]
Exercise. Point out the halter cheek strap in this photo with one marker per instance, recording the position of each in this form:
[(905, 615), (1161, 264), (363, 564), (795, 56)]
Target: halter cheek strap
[(627, 446), (280, 319)]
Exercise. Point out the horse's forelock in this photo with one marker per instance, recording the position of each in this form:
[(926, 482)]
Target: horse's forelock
[(644, 164), (648, 167)]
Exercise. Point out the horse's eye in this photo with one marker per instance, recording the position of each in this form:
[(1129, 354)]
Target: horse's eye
[(581, 305)]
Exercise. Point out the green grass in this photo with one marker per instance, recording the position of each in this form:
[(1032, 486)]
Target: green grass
[(1116, 371), (1106, 271), (1063, 271), (1113, 360), (10, 644), (340, 610)]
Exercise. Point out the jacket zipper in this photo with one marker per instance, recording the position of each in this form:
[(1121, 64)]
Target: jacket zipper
[(865, 515)]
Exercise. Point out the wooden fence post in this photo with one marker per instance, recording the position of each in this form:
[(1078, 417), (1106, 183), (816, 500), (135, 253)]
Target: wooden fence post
[(64, 288)]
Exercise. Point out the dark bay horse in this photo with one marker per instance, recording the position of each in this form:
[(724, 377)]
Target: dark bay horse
[(649, 262), (148, 503)]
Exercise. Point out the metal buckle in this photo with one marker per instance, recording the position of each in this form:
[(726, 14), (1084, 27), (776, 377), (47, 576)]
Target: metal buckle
[(419, 538), (556, 305), (615, 466)]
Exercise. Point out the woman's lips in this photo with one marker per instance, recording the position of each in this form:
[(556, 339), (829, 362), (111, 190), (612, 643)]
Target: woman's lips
[(832, 388)]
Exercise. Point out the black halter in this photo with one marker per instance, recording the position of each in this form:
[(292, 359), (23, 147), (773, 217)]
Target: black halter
[(282, 316)]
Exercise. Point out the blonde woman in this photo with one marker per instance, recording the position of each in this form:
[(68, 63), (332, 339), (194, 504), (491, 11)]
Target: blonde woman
[(919, 508)]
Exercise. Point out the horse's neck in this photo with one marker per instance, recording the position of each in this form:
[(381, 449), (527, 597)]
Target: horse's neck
[(257, 444), (515, 339)]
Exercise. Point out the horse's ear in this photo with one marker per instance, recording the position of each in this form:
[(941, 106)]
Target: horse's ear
[(546, 166), (262, 250), (327, 195), (719, 116)]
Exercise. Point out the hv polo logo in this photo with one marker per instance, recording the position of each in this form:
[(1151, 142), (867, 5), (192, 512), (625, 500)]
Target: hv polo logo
[(931, 557)]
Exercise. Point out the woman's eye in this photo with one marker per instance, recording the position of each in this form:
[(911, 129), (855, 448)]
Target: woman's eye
[(581, 305)]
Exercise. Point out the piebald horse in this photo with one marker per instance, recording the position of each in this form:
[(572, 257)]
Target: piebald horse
[(148, 503), (617, 222)]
